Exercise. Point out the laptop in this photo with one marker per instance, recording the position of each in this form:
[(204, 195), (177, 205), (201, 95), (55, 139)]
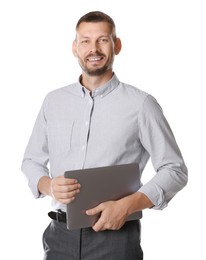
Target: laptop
[(100, 185)]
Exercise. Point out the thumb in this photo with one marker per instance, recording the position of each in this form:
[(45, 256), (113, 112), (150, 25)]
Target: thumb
[(94, 210)]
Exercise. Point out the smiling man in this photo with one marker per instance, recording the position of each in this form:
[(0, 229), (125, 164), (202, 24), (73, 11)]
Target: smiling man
[(100, 121), (95, 47)]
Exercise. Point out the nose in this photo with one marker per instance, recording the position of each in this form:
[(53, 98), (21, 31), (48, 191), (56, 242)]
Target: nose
[(94, 47)]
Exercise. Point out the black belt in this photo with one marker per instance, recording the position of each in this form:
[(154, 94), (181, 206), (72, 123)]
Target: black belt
[(59, 216)]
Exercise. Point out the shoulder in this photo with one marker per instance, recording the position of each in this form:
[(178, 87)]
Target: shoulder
[(137, 95), (69, 89), (146, 103), (61, 94), (131, 90)]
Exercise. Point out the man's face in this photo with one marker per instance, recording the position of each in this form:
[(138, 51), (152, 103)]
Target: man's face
[(94, 47)]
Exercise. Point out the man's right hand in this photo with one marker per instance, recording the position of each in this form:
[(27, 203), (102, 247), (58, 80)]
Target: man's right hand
[(62, 189)]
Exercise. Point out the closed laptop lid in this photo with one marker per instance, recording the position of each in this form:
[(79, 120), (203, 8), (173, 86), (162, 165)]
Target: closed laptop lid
[(99, 185)]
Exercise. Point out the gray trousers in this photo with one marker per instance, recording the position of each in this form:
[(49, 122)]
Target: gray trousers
[(86, 244)]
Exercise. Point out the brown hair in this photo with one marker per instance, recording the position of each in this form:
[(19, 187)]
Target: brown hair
[(97, 16)]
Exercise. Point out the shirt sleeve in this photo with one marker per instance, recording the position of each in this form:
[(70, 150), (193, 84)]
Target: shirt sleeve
[(36, 156), (157, 138)]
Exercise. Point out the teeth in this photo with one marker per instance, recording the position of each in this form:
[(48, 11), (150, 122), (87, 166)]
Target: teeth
[(94, 59)]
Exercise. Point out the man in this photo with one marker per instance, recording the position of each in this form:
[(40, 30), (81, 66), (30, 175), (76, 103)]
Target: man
[(100, 121)]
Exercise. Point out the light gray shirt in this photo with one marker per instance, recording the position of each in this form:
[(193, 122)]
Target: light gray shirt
[(114, 124)]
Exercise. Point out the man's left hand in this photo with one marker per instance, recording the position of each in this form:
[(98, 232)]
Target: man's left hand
[(113, 215)]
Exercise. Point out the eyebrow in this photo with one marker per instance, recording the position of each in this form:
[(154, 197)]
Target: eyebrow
[(88, 37)]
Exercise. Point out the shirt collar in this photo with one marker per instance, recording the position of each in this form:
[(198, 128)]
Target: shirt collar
[(102, 90)]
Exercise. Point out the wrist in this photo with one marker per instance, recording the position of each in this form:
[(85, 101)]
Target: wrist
[(44, 185), (136, 202)]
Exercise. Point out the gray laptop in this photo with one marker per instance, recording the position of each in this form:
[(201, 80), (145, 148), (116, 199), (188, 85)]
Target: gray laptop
[(100, 185)]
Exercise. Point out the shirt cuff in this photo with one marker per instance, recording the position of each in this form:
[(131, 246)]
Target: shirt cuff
[(155, 194), (33, 185)]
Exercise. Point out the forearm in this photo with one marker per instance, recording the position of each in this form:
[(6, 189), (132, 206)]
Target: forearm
[(136, 202)]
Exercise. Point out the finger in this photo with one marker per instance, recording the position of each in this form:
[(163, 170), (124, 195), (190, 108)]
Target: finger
[(100, 225), (97, 227), (64, 197), (95, 210), (61, 180), (104, 224), (60, 183), (68, 188), (66, 201)]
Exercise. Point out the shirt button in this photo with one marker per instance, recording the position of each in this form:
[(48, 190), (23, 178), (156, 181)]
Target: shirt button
[(86, 123), (83, 147)]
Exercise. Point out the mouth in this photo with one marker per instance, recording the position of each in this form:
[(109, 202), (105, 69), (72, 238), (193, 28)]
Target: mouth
[(95, 58)]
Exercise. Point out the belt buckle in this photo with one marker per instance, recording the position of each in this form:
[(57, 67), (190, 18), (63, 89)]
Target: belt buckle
[(58, 213)]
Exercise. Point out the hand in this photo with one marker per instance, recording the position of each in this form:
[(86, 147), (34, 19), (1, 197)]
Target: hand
[(113, 215), (63, 189)]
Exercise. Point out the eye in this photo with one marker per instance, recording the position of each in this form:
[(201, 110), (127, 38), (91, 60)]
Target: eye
[(103, 40), (85, 41)]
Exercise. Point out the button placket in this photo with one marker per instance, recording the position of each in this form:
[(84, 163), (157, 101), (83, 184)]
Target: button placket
[(85, 132)]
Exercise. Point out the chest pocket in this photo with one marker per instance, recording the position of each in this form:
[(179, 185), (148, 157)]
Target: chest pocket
[(59, 137)]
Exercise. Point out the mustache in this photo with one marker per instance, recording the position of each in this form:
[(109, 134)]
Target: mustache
[(95, 54)]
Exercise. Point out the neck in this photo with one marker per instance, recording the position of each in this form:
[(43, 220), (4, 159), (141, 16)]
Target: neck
[(93, 82)]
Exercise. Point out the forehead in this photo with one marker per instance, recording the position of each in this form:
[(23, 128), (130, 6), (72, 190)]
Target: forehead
[(90, 29)]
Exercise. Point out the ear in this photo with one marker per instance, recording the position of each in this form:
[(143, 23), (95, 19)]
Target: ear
[(74, 48), (118, 46)]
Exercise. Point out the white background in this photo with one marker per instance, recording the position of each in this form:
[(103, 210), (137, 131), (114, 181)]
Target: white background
[(164, 53)]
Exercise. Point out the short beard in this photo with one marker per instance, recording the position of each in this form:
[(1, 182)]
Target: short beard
[(97, 72)]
